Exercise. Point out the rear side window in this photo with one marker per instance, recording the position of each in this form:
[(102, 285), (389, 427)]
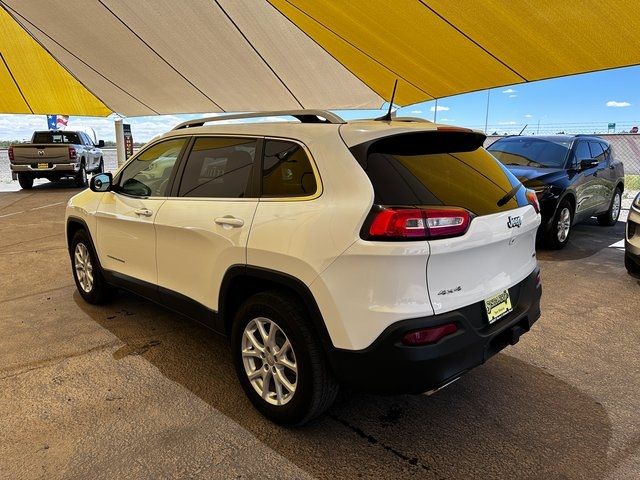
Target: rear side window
[(219, 167), (286, 170), (438, 168)]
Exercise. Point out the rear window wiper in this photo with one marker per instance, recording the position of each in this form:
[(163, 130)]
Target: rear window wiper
[(509, 195)]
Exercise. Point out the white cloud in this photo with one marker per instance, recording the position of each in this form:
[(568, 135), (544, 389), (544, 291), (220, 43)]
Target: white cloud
[(613, 103), (416, 112), (513, 96), (508, 123), (439, 108), (509, 90), (528, 115)]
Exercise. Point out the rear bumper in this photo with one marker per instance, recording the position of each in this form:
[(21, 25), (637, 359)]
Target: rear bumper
[(388, 366), (53, 169)]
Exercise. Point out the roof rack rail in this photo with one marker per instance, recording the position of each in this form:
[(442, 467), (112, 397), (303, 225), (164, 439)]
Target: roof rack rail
[(305, 116)]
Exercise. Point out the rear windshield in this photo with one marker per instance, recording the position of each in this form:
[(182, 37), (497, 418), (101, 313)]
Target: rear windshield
[(437, 168), (531, 152), (56, 137)]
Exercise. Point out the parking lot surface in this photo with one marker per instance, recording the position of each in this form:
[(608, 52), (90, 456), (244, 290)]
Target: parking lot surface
[(131, 390)]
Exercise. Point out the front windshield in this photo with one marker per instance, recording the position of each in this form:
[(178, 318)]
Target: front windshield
[(531, 152)]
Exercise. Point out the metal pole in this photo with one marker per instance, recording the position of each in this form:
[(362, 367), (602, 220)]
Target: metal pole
[(486, 117), (120, 152), (435, 111), (538, 133)]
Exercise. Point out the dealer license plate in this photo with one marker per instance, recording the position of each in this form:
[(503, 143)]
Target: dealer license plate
[(43, 165), (498, 306)]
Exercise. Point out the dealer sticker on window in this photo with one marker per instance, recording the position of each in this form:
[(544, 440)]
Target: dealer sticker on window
[(498, 306)]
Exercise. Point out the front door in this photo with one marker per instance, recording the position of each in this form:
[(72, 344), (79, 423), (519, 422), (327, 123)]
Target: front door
[(125, 218), (204, 229), (586, 182)]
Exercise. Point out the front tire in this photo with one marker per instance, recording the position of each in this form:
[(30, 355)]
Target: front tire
[(632, 267), (279, 360), (87, 272), (25, 181), (557, 233), (610, 217)]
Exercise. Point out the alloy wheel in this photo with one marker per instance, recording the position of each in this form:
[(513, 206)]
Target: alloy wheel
[(269, 361), (564, 224), (615, 207), (83, 267)]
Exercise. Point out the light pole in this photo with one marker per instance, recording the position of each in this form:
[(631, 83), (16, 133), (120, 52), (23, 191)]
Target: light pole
[(486, 117)]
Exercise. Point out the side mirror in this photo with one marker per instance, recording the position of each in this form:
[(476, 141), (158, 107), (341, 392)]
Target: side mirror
[(587, 164), (101, 182), (100, 143)]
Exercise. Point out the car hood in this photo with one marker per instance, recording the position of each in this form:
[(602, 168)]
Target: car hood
[(532, 176)]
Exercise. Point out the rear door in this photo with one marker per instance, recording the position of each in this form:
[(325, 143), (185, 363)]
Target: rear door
[(126, 235), (603, 188), (448, 169), (203, 229)]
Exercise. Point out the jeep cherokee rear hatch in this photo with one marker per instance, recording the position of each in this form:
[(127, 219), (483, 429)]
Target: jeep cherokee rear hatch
[(441, 186)]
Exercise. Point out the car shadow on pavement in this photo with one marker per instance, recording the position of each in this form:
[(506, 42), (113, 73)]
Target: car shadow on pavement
[(506, 419), (587, 239)]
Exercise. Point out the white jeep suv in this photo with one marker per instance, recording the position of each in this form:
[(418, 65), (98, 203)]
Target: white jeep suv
[(386, 256)]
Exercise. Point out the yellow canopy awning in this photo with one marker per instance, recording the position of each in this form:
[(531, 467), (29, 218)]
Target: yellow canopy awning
[(163, 56), (32, 81)]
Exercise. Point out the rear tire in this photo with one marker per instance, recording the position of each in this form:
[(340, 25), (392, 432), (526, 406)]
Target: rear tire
[(632, 267), (314, 388), (25, 181), (81, 177), (87, 272), (610, 217), (557, 233)]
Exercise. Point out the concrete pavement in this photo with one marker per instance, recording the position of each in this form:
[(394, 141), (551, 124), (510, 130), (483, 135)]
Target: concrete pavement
[(131, 390)]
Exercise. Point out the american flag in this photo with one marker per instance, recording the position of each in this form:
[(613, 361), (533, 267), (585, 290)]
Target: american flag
[(57, 122)]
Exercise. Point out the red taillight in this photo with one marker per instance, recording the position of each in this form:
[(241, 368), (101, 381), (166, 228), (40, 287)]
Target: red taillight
[(10, 152), (72, 153), (532, 198), (419, 223), (429, 335)]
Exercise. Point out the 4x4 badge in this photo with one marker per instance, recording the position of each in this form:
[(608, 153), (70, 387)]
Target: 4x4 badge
[(514, 222)]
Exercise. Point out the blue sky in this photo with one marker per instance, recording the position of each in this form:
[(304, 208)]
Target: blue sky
[(582, 103)]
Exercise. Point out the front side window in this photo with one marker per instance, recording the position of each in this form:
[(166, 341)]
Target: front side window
[(219, 167), (286, 170), (597, 154), (148, 175)]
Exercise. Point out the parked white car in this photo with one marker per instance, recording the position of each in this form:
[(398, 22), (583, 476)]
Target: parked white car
[(632, 238), (387, 256)]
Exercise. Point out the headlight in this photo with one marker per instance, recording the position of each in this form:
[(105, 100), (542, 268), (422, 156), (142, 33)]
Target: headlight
[(636, 202)]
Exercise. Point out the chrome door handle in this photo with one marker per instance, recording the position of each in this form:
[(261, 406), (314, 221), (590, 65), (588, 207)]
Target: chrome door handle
[(145, 212), (229, 221)]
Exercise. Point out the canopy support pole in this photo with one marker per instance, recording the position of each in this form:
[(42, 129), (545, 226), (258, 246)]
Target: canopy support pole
[(120, 151)]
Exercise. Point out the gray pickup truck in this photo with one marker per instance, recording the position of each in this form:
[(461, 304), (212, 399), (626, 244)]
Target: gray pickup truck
[(56, 154)]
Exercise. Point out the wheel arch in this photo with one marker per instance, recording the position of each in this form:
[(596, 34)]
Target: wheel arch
[(75, 224), (242, 281)]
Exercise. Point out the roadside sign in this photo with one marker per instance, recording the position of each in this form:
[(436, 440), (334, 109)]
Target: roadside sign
[(611, 126), (128, 140)]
